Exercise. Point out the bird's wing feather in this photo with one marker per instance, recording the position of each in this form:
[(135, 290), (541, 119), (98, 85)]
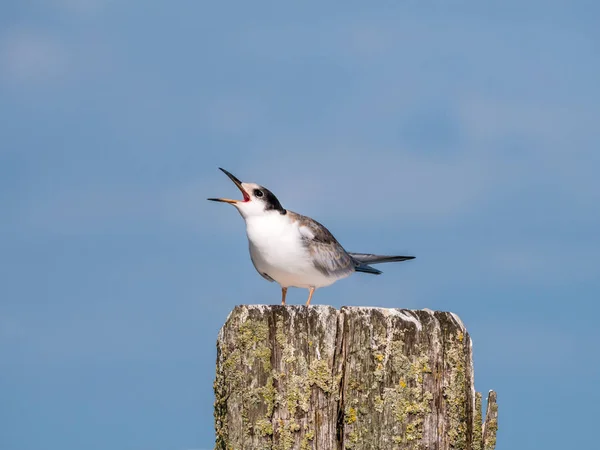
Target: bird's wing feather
[(328, 256), (329, 260), (369, 258)]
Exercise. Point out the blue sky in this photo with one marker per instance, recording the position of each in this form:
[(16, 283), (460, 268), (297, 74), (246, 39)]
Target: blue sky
[(462, 132)]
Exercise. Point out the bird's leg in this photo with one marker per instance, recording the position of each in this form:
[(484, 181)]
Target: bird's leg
[(311, 291), (283, 294)]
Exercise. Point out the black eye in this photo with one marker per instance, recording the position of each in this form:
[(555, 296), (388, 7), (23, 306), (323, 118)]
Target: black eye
[(258, 193)]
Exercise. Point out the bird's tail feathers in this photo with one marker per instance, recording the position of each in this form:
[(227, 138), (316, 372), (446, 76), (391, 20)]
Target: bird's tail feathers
[(359, 267), (369, 258)]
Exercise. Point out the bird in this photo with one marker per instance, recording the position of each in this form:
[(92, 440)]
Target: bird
[(295, 250)]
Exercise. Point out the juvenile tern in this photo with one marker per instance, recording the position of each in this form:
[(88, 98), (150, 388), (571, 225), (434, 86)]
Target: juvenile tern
[(294, 250)]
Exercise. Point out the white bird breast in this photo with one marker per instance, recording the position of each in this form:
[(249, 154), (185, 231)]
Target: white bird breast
[(277, 249)]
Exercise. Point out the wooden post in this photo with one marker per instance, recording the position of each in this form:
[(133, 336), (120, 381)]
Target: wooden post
[(297, 377)]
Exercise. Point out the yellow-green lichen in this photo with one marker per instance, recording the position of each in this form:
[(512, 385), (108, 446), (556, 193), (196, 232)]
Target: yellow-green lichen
[(299, 376), (287, 349), (400, 361), (410, 405), (239, 354), (350, 415), (268, 393), (231, 367), (490, 443), (263, 427), (351, 440), (297, 393), (409, 401), (263, 353), (491, 428), (286, 434), (396, 391), (252, 331), (308, 437), (379, 371), (254, 335), (354, 385), (477, 432), (455, 389), (284, 390), (320, 374), (378, 403), (296, 389)]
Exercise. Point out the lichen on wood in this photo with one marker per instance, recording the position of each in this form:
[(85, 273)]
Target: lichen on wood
[(277, 383), (477, 424), (490, 425), (292, 377), (407, 376)]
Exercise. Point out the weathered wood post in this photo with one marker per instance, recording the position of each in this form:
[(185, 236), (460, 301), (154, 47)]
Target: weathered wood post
[(296, 377)]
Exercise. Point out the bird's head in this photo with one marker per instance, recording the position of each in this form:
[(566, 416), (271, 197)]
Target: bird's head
[(257, 200)]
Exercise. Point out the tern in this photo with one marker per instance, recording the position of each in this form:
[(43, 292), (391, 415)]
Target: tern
[(294, 250)]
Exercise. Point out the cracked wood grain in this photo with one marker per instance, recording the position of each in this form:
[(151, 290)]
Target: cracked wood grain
[(292, 377)]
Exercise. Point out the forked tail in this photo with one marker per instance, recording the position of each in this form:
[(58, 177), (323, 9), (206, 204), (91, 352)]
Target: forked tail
[(360, 267), (362, 261)]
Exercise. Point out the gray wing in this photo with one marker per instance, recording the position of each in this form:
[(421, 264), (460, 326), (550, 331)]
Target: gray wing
[(329, 257)]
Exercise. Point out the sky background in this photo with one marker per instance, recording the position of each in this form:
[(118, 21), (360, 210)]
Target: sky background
[(463, 132)]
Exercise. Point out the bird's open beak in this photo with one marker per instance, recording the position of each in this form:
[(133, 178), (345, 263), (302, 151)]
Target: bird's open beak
[(238, 183)]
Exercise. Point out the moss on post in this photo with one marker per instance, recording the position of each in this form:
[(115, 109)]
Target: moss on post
[(359, 378), (490, 426), (277, 380)]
